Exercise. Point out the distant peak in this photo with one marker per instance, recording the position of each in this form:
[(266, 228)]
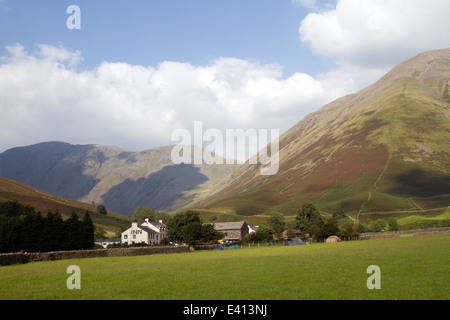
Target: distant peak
[(424, 65)]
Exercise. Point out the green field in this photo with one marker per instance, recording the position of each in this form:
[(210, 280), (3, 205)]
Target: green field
[(412, 218), (411, 268)]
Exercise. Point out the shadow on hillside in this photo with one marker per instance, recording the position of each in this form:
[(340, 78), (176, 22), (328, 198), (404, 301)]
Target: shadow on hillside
[(53, 167), (420, 183), (158, 191)]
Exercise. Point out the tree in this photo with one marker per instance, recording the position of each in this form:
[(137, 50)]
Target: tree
[(101, 209), (142, 213), (178, 222), (53, 231), (15, 209), (360, 228), (73, 232), (100, 233), (349, 231), (87, 232), (276, 222), (392, 224), (377, 225), (338, 212), (265, 232), (210, 234), (290, 234), (307, 217), (192, 232), (327, 228), (10, 234), (32, 235)]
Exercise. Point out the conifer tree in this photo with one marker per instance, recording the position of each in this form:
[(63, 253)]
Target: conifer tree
[(53, 231), (87, 232), (31, 232), (73, 232)]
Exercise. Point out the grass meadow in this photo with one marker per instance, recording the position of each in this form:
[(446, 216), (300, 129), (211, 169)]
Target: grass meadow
[(411, 268)]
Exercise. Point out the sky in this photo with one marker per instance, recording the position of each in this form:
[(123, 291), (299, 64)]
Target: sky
[(137, 70)]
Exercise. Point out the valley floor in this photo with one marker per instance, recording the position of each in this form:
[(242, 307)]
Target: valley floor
[(411, 268)]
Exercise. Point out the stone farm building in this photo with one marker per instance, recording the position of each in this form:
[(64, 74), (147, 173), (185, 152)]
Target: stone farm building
[(232, 231), (149, 232)]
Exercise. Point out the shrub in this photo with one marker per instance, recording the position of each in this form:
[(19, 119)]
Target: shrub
[(377, 225)]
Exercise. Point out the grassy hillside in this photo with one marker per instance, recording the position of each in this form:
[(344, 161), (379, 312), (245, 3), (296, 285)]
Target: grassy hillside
[(414, 268), (434, 218), (371, 151), (42, 201)]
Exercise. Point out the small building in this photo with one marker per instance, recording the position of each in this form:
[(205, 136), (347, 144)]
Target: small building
[(232, 231), (253, 229), (333, 239), (105, 243), (149, 233)]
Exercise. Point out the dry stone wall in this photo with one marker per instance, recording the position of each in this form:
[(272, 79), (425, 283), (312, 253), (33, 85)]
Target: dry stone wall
[(23, 257)]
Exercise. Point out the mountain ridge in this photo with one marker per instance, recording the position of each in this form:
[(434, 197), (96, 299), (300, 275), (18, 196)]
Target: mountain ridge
[(373, 150), (118, 178), (370, 150)]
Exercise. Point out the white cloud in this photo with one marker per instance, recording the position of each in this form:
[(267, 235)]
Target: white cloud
[(310, 4), (43, 96), (59, 54), (366, 38), (377, 32)]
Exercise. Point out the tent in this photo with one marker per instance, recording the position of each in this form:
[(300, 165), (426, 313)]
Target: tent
[(333, 239), (295, 242), (220, 247)]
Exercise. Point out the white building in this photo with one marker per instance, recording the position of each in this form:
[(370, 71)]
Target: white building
[(252, 229), (149, 232), (104, 243)]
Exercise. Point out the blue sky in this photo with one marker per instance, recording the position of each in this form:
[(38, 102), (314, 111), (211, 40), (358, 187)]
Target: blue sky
[(138, 70), (148, 32)]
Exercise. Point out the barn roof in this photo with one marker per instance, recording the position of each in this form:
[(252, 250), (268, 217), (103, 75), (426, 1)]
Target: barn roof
[(229, 225)]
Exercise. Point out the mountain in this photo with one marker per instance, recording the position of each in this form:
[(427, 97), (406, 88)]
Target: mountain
[(14, 191), (372, 151), (119, 179)]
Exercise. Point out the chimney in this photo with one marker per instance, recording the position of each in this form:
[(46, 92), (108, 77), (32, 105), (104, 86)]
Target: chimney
[(160, 221), (146, 220), (134, 224)]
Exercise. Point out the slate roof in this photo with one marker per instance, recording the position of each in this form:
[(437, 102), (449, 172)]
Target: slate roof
[(147, 229), (229, 225)]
